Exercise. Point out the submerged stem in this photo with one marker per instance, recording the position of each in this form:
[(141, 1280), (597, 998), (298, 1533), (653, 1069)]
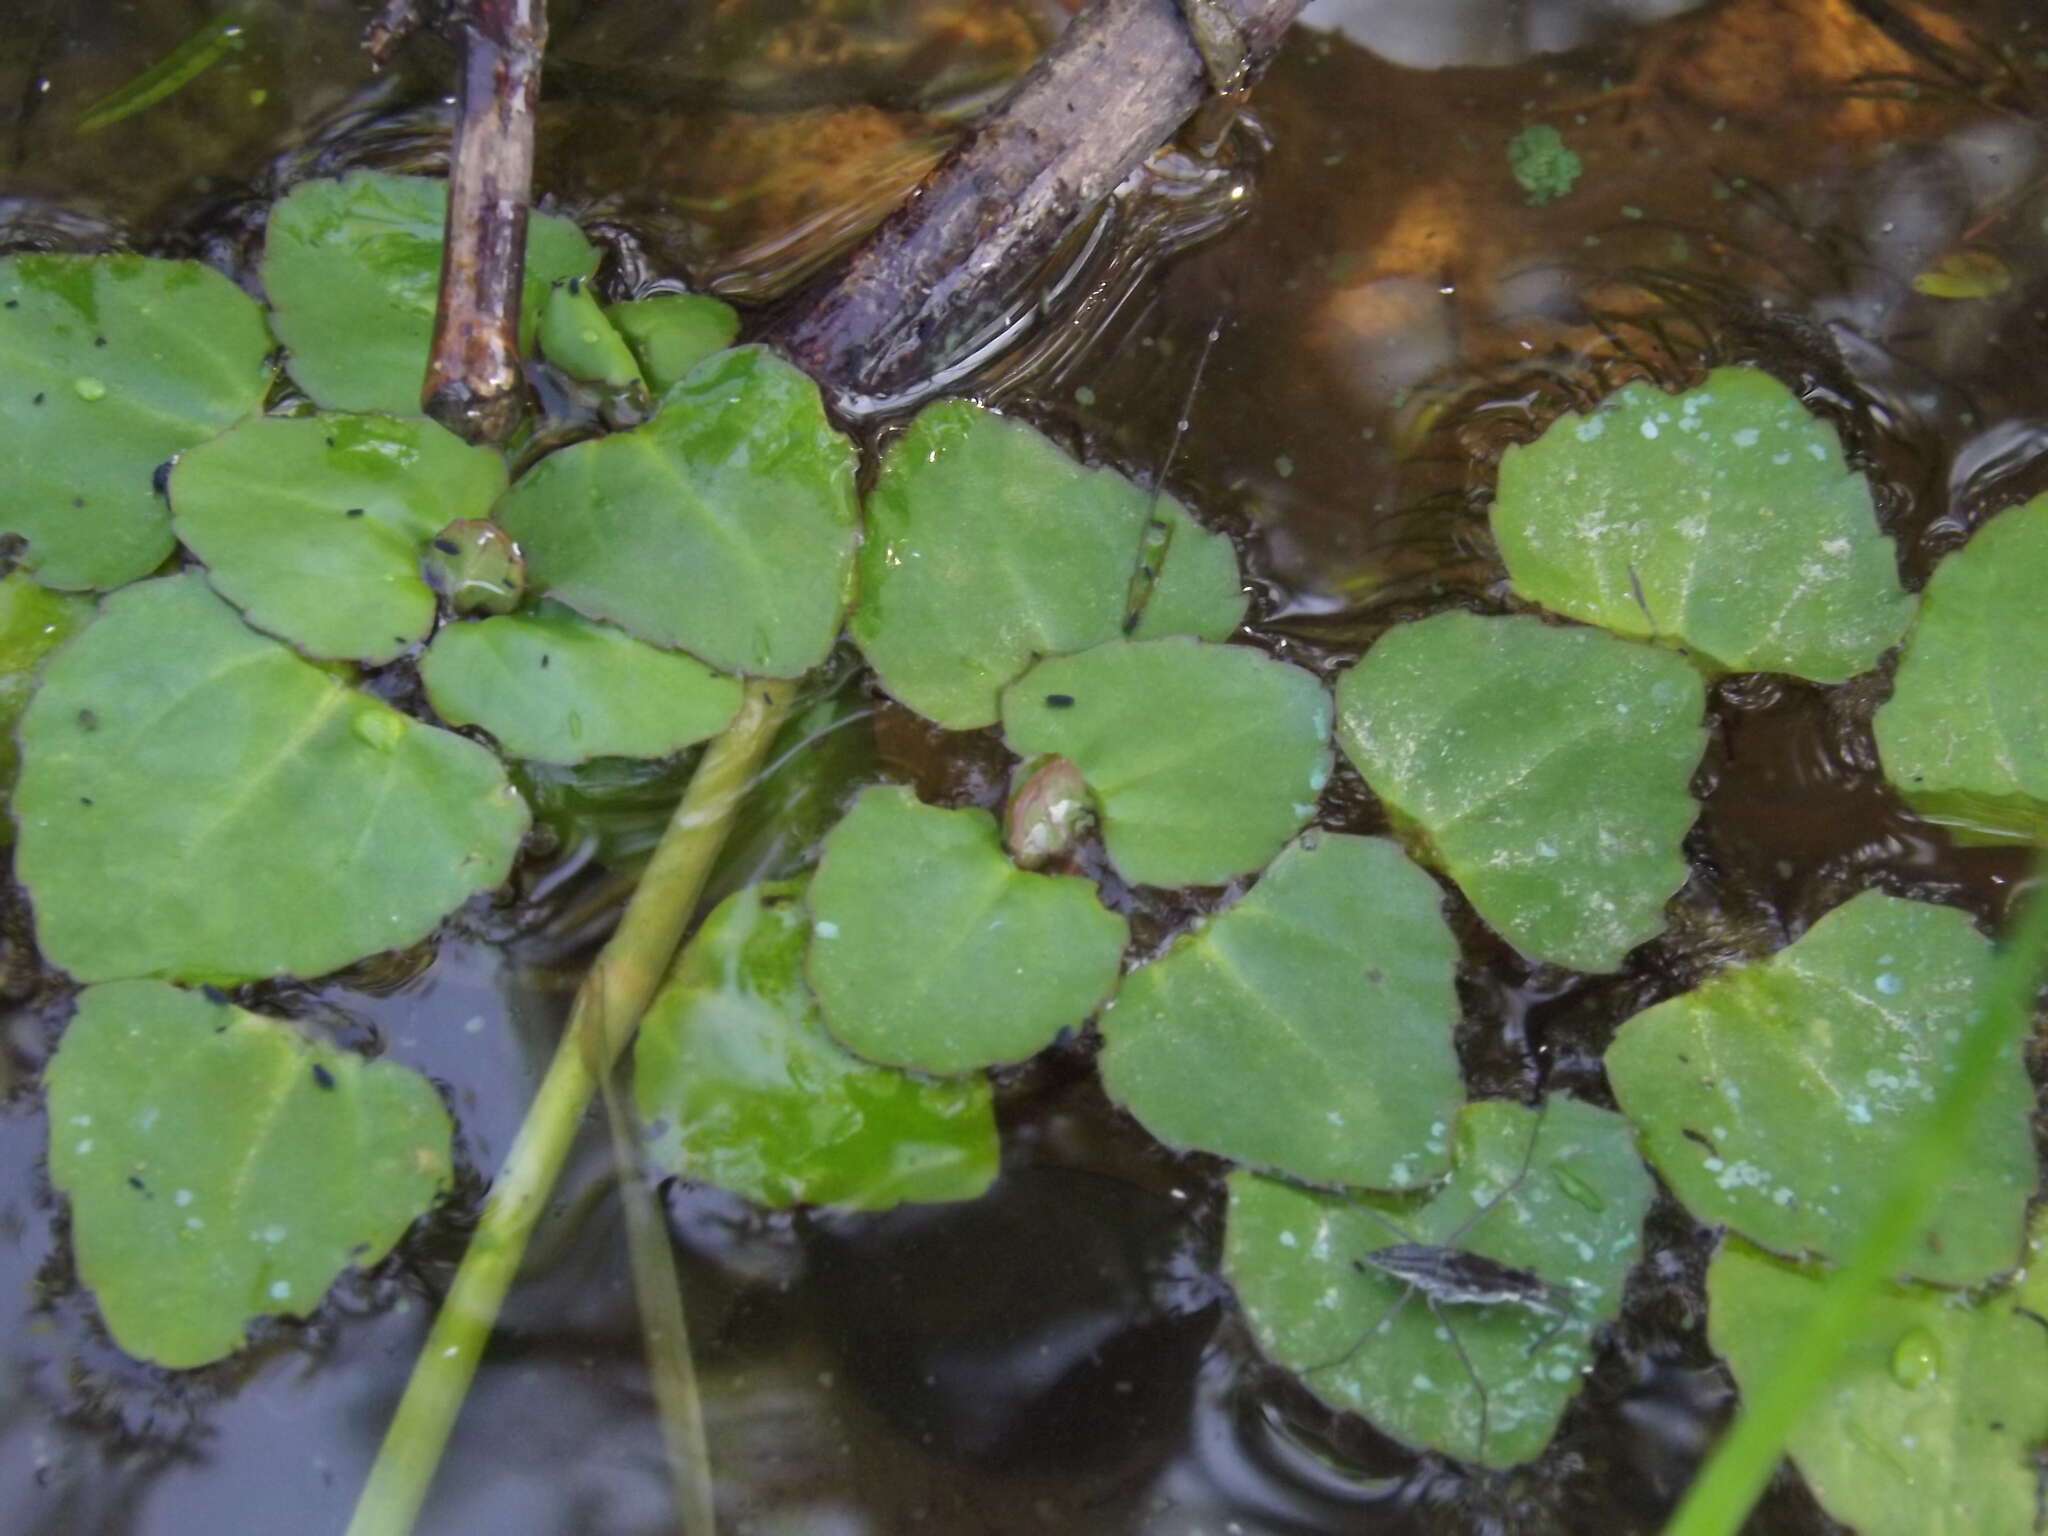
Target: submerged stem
[(606, 1012)]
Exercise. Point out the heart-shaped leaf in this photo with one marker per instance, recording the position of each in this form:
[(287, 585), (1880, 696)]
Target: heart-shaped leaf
[(1964, 736), (1568, 1228), (1205, 759), (989, 547), (724, 526), (1307, 1028), (931, 950), (741, 1086), (198, 803), (671, 333), (1545, 769), (314, 526), (1931, 1424), (1722, 521), (221, 1166), (353, 270), (112, 364), (558, 687), (1768, 1094)]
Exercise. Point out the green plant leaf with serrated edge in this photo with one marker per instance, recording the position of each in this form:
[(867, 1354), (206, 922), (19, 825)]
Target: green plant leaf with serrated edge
[(1767, 1095), (1306, 1029), (1574, 1222), (109, 365), (671, 333), (222, 1167), (1964, 736), (1204, 759), (34, 621), (556, 686), (989, 547), (725, 526), (353, 270), (314, 526), (741, 1087), (1722, 521), (1933, 1422), (1545, 769), (263, 817), (931, 950)]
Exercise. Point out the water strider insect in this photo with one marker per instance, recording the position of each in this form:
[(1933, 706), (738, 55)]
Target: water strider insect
[(1446, 1275)]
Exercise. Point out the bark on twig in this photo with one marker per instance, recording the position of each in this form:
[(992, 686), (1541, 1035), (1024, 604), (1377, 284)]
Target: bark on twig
[(938, 275), (474, 385)]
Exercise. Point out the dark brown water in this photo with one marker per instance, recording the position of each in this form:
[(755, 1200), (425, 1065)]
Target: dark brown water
[(1387, 315)]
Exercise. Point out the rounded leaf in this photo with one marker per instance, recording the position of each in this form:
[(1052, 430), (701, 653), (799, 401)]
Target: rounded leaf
[(263, 818), (1722, 521), (671, 333), (741, 1087), (559, 688), (1367, 1342), (1307, 1028), (931, 950), (353, 270), (1964, 736), (112, 364), (1545, 769), (1768, 1094), (1205, 759), (222, 1167), (314, 526), (725, 526), (989, 547)]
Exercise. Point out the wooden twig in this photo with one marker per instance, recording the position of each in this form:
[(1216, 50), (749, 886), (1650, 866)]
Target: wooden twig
[(936, 279)]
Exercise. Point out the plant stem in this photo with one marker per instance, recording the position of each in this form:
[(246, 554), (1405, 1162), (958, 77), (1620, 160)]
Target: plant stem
[(1721, 1497), (607, 1010)]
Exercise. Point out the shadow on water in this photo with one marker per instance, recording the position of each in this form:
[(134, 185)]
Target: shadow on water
[(1761, 184)]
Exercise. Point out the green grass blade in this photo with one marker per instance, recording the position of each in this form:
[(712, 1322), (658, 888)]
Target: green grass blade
[(169, 74)]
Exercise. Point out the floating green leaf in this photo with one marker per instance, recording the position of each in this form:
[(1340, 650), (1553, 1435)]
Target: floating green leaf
[(221, 1166), (1307, 1029), (556, 686), (988, 547), (577, 338), (1573, 1222), (1965, 272), (1722, 521), (198, 803), (1205, 759), (1965, 734), (671, 333), (1768, 1094), (742, 1087), (353, 270), (1545, 769), (314, 526), (1934, 1423), (109, 365), (724, 526), (931, 950), (33, 622)]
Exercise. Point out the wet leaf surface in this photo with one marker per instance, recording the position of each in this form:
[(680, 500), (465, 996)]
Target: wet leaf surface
[(1307, 1028), (1544, 768), (1964, 736), (1204, 759), (1574, 1223), (1933, 1425), (989, 547), (931, 950), (741, 1087), (1768, 1096), (557, 687), (34, 621), (353, 268), (725, 526), (222, 1167), (315, 526), (671, 333), (263, 817), (109, 365), (1722, 521)]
